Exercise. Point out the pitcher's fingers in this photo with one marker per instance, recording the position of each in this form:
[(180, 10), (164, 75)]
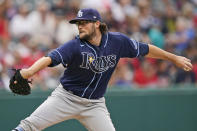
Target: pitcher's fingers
[(188, 60), (189, 65), (187, 68)]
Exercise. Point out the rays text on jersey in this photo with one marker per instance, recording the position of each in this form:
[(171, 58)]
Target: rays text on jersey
[(99, 64)]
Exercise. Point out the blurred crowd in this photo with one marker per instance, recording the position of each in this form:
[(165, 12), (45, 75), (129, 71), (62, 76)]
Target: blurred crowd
[(29, 29)]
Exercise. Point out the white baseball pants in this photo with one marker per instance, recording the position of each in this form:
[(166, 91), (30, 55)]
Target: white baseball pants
[(62, 105)]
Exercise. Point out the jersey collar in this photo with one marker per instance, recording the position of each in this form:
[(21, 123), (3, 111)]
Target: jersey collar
[(104, 41)]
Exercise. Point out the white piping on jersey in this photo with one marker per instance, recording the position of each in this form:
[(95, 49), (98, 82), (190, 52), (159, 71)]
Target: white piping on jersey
[(94, 73), (61, 57), (138, 49), (88, 85), (95, 86), (136, 44), (106, 41)]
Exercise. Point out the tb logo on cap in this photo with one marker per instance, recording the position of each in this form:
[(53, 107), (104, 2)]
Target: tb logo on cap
[(80, 13)]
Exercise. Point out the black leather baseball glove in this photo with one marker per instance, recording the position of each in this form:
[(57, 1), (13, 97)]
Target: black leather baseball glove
[(18, 84)]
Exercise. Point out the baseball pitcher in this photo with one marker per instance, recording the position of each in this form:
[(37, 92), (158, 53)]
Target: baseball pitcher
[(90, 60)]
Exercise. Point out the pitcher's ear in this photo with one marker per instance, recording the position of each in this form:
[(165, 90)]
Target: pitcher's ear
[(97, 23)]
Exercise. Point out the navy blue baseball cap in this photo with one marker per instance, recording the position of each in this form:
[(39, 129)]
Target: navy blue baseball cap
[(86, 14)]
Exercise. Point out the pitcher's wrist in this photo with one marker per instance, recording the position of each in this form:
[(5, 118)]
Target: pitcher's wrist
[(25, 73)]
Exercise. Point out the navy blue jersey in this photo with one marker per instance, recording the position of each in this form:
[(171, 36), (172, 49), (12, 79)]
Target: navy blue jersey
[(89, 67)]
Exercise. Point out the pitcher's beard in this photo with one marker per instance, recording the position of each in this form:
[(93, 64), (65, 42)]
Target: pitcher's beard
[(88, 37)]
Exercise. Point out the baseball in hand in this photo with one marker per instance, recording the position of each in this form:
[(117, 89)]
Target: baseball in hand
[(186, 69)]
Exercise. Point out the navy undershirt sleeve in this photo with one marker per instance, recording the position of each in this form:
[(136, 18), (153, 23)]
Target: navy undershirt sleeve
[(63, 54), (132, 48), (56, 60), (144, 49)]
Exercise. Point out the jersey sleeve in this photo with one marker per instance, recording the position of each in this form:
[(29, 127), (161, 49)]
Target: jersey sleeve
[(132, 48), (63, 54)]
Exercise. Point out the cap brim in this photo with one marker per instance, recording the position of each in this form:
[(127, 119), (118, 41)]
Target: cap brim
[(73, 21)]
